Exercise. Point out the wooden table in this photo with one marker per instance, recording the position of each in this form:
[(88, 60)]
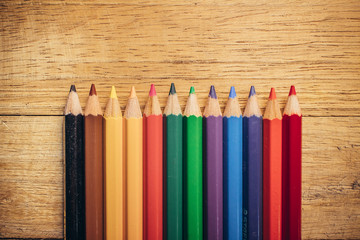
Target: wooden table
[(46, 45)]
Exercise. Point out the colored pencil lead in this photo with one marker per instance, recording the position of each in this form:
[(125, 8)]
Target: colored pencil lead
[(72, 88), (212, 92), (232, 93), (192, 90), (113, 93), (272, 94), (92, 90), (172, 89), (152, 90), (252, 91), (132, 92), (292, 90)]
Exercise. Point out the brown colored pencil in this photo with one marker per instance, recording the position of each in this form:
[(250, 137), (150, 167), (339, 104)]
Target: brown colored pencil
[(94, 184)]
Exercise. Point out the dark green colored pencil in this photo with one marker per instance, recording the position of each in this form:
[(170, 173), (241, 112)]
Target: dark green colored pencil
[(174, 169)]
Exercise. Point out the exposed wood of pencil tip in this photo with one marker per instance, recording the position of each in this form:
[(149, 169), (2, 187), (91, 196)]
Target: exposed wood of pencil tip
[(292, 105), (212, 107), (172, 105), (112, 109), (152, 106), (192, 107), (272, 109), (232, 108), (92, 105), (73, 105), (132, 109), (252, 106)]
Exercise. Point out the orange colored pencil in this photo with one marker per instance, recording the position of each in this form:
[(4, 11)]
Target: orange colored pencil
[(133, 155), (153, 168), (272, 128)]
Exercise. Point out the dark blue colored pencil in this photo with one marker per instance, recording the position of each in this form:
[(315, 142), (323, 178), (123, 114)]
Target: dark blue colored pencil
[(252, 169)]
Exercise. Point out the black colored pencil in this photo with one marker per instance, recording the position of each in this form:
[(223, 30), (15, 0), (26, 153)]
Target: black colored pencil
[(74, 168)]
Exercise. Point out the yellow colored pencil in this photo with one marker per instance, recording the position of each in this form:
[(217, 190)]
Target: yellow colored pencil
[(114, 169), (134, 168)]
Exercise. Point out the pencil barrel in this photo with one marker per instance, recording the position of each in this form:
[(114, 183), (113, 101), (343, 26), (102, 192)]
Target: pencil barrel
[(291, 169), (213, 149), (174, 176), (94, 185), (252, 170), (74, 177), (193, 178), (153, 177), (134, 178), (233, 178), (272, 130), (114, 178)]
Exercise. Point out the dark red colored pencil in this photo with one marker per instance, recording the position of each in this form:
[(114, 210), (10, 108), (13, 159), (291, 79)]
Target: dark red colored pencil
[(291, 168)]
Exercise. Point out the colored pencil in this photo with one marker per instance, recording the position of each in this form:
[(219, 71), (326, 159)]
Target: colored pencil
[(233, 189), (153, 168), (94, 182), (252, 169), (272, 135), (174, 166), (74, 168), (134, 168), (291, 168), (213, 135), (193, 168), (114, 169)]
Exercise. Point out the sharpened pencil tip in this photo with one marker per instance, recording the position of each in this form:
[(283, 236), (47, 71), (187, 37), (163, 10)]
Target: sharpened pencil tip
[(152, 90), (252, 91), (192, 90), (113, 93), (132, 92), (72, 88), (172, 89), (92, 90), (212, 92), (272, 94), (232, 93), (292, 90)]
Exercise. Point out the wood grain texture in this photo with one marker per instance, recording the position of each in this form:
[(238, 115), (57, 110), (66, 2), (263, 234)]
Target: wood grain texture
[(31, 176), (46, 45)]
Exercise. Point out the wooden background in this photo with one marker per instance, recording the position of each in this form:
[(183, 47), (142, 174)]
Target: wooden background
[(47, 45)]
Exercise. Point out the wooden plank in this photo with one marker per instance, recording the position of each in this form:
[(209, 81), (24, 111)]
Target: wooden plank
[(331, 178), (332, 97), (31, 189), (46, 47), (31, 176), (310, 38)]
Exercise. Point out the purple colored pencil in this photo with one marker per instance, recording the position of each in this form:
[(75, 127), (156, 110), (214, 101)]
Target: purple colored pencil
[(213, 133)]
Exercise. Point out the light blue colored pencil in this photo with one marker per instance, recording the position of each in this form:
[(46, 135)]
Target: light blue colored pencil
[(233, 177)]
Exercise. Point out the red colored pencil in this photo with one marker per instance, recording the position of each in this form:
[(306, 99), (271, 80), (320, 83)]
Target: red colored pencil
[(291, 168), (153, 168), (272, 169)]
